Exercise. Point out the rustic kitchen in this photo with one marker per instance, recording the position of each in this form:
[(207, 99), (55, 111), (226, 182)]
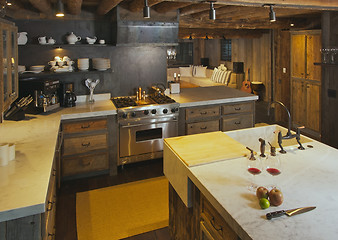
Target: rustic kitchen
[(162, 109)]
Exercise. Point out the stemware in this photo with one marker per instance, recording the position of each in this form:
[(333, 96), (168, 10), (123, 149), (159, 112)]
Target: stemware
[(254, 167), (273, 164)]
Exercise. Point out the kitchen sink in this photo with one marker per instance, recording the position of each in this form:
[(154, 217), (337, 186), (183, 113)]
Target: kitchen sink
[(249, 137)]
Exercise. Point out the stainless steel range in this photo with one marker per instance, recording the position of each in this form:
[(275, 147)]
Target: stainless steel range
[(143, 124)]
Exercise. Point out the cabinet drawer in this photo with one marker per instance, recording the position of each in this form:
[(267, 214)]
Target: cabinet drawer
[(76, 145), (215, 225), (83, 126), (237, 122), (85, 164), (237, 108), (203, 127), (202, 112)]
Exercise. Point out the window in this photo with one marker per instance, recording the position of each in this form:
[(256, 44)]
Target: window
[(226, 50), (183, 54)]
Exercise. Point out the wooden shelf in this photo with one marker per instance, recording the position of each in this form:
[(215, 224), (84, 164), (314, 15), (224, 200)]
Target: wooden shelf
[(326, 64), (67, 45), (49, 74)]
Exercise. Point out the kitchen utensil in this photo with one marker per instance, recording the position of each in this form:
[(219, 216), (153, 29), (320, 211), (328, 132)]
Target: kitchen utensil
[(72, 38), (42, 40), (51, 41), (22, 38), (102, 41), (289, 213), (37, 68), (91, 84), (91, 40), (21, 68)]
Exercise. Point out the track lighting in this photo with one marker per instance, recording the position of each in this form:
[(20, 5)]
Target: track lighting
[(9, 2), (206, 37), (212, 12), (190, 37), (224, 38), (59, 9), (272, 14), (146, 9)]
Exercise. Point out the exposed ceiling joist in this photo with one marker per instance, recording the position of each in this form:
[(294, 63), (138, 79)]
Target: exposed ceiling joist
[(74, 6), (137, 5), (167, 6), (43, 6), (105, 6), (196, 8)]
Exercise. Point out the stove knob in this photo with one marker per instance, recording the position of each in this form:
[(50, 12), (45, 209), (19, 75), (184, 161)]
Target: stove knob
[(124, 115), (133, 114), (146, 112), (153, 111), (173, 110), (165, 110)]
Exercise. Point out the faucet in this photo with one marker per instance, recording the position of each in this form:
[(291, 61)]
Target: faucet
[(288, 135)]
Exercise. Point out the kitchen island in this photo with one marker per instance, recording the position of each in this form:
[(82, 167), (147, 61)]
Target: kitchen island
[(308, 179)]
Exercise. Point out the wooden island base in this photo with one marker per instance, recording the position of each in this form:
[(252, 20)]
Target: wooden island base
[(201, 221)]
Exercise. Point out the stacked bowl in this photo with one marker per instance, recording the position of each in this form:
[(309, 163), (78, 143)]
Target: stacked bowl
[(83, 64), (101, 64)]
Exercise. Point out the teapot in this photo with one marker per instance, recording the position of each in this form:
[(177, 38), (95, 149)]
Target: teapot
[(51, 41), (22, 38), (42, 40), (91, 40), (72, 38)]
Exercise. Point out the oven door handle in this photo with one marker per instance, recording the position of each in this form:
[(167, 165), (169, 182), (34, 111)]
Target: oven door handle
[(144, 124)]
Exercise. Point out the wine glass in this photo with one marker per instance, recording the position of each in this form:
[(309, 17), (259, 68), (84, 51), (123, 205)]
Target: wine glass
[(273, 164), (254, 167)]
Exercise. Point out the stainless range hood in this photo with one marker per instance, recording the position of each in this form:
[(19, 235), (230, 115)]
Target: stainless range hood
[(131, 29)]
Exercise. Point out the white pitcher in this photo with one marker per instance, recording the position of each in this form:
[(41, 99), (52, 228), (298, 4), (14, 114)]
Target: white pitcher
[(42, 40), (22, 38)]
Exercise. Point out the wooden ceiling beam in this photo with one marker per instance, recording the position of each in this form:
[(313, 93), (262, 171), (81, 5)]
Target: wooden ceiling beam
[(43, 6), (137, 5), (185, 33), (167, 6), (196, 8), (74, 6), (221, 10), (106, 5), (309, 4)]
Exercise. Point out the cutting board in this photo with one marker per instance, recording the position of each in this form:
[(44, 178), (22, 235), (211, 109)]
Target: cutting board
[(206, 148)]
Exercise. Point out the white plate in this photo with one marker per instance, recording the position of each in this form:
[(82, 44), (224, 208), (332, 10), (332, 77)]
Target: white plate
[(32, 71)]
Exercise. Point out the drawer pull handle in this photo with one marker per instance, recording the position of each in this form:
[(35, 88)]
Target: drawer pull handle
[(54, 172), (85, 164), (50, 206), (218, 229), (203, 128), (51, 236), (203, 113), (237, 123), (237, 109), (86, 144), (85, 126)]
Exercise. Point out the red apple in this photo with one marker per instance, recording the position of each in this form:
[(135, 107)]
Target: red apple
[(262, 192), (276, 197)]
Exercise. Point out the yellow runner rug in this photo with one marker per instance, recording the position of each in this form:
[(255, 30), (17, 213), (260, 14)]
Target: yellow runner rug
[(122, 211)]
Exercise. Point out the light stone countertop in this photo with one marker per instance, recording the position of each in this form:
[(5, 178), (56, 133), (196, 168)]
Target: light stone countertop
[(24, 181), (308, 178), (191, 97)]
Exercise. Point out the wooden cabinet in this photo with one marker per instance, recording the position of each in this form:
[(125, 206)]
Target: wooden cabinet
[(9, 66), (212, 225), (85, 148), (306, 80), (220, 117)]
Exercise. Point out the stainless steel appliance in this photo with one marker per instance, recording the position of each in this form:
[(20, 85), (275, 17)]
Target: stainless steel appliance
[(143, 124), (67, 95), (44, 93)]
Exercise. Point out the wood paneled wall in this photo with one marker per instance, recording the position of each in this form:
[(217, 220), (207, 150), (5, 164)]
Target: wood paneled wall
[(254, 52)]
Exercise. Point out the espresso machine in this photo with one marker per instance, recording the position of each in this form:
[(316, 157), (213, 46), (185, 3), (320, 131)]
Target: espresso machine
[(44, 93), (67, 95)]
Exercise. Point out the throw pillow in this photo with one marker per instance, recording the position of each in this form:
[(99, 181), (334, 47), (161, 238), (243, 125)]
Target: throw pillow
[(186, 71), (200, 71), (213, 76)]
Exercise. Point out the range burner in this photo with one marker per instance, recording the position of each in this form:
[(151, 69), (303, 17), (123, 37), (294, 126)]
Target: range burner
[(122, 102), (161, 99)]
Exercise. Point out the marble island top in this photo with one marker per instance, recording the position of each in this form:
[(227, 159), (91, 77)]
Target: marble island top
[(308, 178)]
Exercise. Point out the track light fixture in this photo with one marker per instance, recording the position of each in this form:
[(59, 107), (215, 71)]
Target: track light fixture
[(146, 9), (224, 38), (60, 12), (206, 37), (9, 2), (272, 14), (190, 37), (212, 12)]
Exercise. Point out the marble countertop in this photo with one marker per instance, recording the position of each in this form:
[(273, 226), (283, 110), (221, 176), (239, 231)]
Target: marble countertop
[(308, 179), (24, 181), (190, 97)]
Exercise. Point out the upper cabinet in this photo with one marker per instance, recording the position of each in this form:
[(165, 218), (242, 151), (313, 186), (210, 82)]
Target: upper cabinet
[(305, 51), (9, 68)]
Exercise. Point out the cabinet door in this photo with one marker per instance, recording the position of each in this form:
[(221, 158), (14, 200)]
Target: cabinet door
[(313, 45), (313, 106), (202, 127), (298, 102), (5, 66), (14, 84), (298, 56)]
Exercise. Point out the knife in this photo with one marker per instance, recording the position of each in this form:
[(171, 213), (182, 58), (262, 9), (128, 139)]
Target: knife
[(289, 213)]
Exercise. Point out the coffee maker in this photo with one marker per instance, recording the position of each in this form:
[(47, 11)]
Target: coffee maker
[(67, 95), (44, 93)]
